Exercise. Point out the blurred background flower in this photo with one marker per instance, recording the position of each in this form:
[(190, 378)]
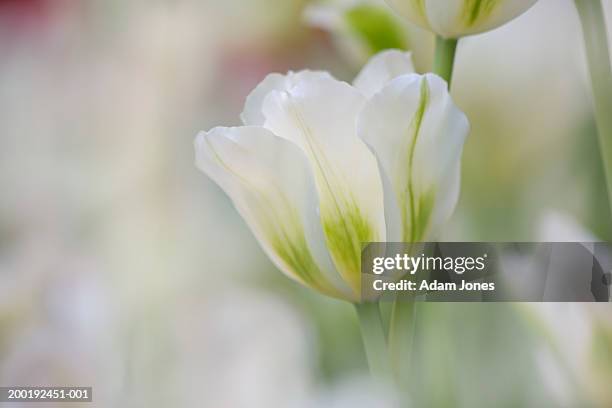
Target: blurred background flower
[(458, 18), (115, 249)]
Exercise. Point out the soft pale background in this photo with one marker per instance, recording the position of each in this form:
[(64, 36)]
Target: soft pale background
[(124, 268)]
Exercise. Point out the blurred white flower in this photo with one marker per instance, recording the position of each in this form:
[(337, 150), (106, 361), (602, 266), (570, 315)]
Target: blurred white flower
[(458, 18), (571, 364), (249, 349), (311, 191), (70, 335), (573, 368), (358, 392), (558, 226), (276, 366)]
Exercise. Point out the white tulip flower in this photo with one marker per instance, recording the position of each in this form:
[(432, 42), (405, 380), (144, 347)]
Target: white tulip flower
[(310, 188), (458, 18)]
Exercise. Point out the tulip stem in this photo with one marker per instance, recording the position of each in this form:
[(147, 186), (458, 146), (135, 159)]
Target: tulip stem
[(444, 58), (375, 344), (598, 58), (401, 337)]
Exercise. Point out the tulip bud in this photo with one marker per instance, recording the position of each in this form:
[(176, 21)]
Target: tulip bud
[(458, 18)]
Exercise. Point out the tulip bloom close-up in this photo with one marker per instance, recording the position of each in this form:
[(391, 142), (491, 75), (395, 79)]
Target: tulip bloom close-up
[(321, 166)]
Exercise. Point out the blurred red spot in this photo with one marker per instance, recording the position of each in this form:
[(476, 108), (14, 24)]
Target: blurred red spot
[(27, 14)]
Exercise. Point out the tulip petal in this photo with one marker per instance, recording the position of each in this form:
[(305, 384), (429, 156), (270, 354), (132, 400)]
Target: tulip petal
[(270, 184), (252, 114), (319, 115), (417, 134), (413, 10), (457, 18), (381, 69)]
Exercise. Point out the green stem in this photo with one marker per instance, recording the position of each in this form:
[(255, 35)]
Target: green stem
[(598, 57), (373, 334), (401, 337), (444, 58)]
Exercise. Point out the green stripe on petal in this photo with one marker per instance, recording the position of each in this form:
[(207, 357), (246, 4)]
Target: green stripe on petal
[(289, 242), (415, 220), (476, 10), (346, 228), (419, 6)]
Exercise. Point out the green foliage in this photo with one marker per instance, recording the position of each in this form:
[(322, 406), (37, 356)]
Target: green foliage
[(377, 27)]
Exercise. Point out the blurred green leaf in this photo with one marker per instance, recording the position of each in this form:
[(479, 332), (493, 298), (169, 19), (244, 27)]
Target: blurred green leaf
[(377, 27), (602, 352)]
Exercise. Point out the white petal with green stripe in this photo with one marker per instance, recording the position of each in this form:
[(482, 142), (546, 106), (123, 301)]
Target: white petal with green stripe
[(319, 115), (457, 18), (271, 186), (417, 133)]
